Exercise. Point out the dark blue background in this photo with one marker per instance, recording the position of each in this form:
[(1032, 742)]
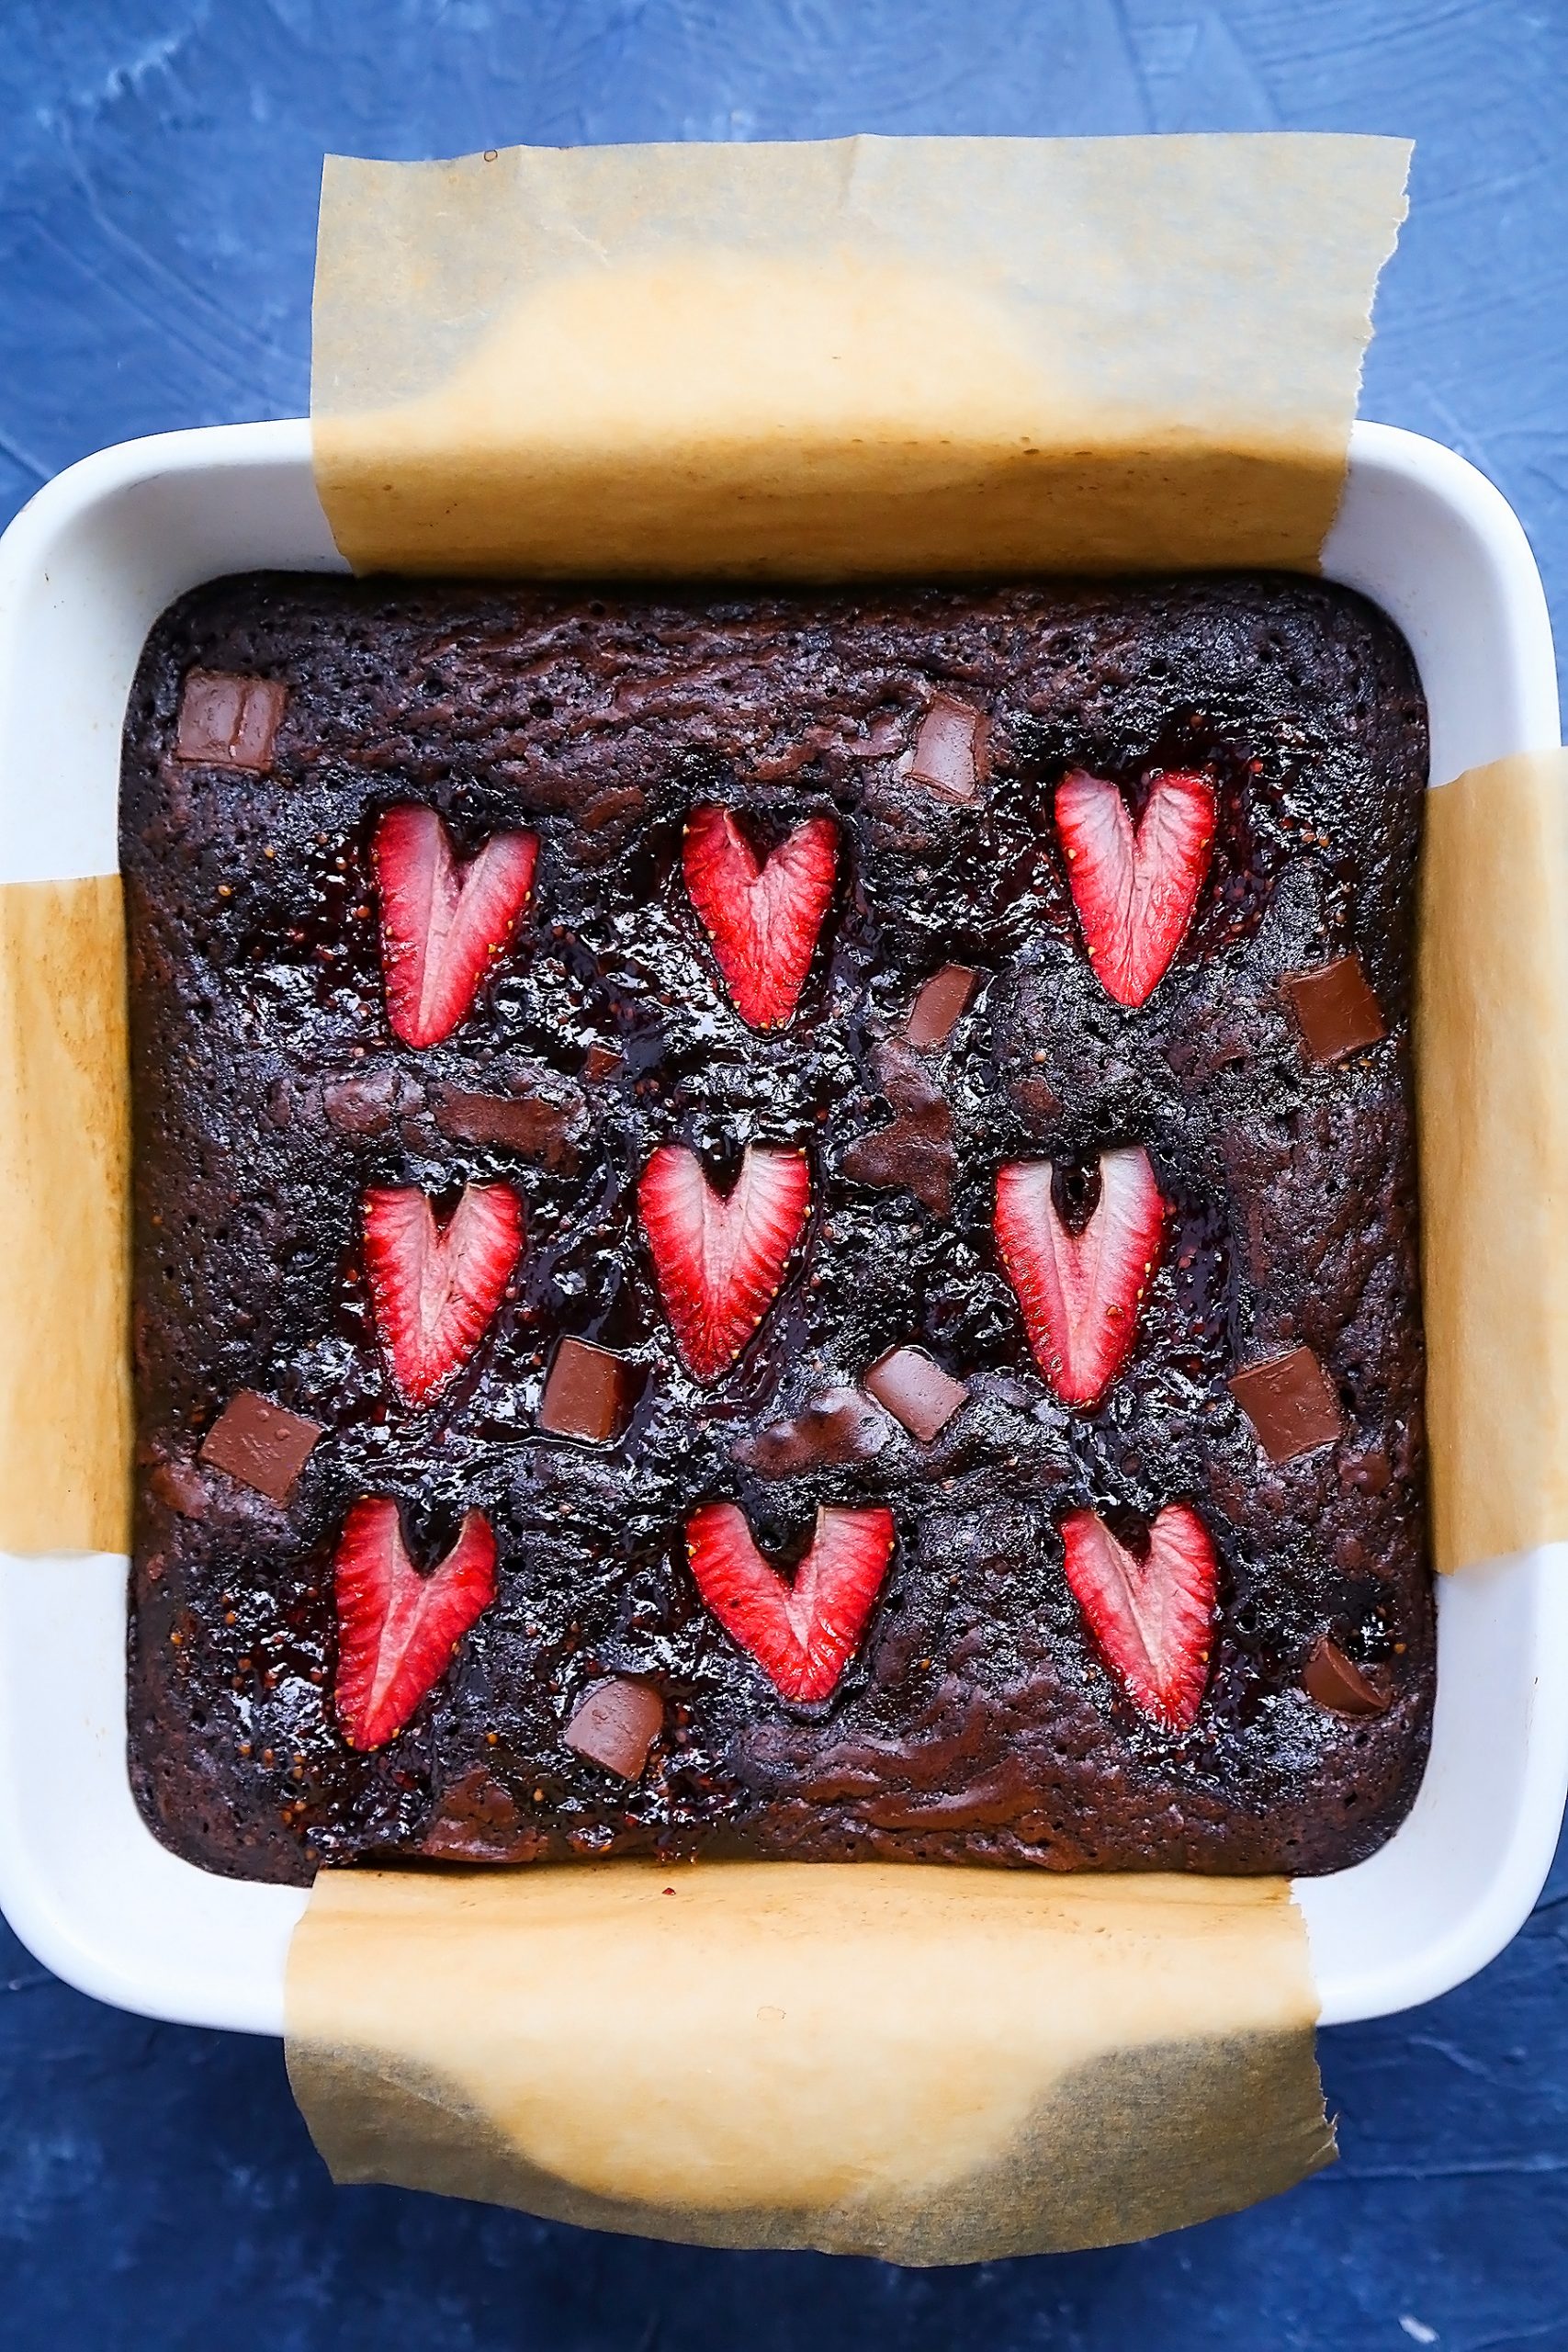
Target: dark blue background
[(158, 174)]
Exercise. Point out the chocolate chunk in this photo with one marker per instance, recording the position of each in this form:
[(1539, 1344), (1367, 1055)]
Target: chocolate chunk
[(588, 1393), (616, 1727), (915, 1154), (1291, 1402), (361, 1106), (1336, 1682), (261, 1444), (521, 1123), (478, 1820), (835, 1428), (603, 1062), (939, 1006), (949, 756), (897, 1160), (1337, 1012), (180, 1488), (1038, 1105), (228, 721), (915, 1390)]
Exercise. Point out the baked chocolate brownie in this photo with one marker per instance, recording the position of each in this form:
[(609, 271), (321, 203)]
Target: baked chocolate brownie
[(776, 1224)]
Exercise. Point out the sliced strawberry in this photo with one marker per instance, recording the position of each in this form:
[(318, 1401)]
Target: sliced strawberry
[(397, 1630), (762, 919), (1153, 1617), (1080, 1292), (802, 1635), (1135, 891), (442, 925), (719, 1262), (435, 1288)]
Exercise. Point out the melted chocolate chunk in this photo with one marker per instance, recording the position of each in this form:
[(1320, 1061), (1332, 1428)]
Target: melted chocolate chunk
[(361, 1106), (228, 721), (588, 1394), (913, 1387), (834, 1428), (1337, 1012), (528, 1123), (478, 1821), (261, 1444), (616, 1727), (180, 1488), (939, 1006), (1336, 1682), (915, 1154), (1290, 1401), (1038, 1106), (949, 757)]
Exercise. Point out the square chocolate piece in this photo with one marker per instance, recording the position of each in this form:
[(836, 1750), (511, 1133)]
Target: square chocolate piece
[(939, 1006), (228, 721), (1291, 1402), (908, 1384), (262, 1444), (1337, 1012), (949, 757), (616, 1724), (588, 1393)]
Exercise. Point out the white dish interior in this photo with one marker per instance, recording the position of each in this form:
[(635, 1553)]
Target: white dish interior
[(85, 571)]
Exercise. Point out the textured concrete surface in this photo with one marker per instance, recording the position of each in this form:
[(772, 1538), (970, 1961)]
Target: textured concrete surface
[(158, 168)]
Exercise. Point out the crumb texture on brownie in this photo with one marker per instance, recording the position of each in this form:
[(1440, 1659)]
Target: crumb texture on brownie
[(776, 1224)]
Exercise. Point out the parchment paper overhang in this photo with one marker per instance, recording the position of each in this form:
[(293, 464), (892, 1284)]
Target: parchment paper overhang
[(841, 358)]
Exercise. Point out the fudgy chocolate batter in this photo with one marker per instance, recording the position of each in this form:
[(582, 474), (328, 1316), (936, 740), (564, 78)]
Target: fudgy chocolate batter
[(977, 1719)]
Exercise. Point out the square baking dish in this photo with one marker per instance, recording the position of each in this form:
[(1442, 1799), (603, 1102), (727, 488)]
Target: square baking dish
[(85, 570)]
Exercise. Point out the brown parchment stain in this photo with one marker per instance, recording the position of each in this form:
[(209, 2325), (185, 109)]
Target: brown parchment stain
[(933, 2065)]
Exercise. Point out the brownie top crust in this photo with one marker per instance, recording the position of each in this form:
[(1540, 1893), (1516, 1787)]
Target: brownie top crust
[(612, 1375)]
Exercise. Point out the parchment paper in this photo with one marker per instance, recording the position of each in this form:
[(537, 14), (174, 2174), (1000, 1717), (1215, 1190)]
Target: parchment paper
[(1491, 1062), (847, 357), (65, 1409), (930, 2065)]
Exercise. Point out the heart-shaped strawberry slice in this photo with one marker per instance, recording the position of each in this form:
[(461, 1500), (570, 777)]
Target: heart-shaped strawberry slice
[(802, 1635), (1152, 1618), (1135, 890), (397, 1630), (763, 918), (719, 1262), (441, 924), (435, 1288), (1080, 1292)]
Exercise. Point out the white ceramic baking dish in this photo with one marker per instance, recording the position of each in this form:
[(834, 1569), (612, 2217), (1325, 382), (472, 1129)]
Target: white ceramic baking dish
[(83, 573)]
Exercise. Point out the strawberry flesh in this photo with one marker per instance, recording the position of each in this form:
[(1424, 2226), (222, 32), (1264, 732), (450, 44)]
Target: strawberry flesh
[(719, 1262), (441, 924), (763, 918), (397, 1630), (1135, 891), (434, 1289), (802, 1635), (1080, 1292), (1153, 1619)]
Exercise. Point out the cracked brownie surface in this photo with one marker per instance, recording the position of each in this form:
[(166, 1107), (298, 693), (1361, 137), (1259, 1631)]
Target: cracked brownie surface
[(1124, 1694)]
